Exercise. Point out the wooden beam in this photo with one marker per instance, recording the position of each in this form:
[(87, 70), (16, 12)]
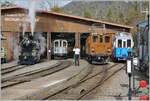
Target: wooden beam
[(77, 39), (49, 50)]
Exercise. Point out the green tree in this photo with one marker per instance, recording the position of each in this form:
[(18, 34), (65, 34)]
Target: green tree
[(87, 13), (121, 18), (109, 14), (57, 9)]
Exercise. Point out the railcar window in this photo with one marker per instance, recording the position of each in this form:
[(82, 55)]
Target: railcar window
[(95, 38), (119, 43), (64, 44), (56, 44), (60, 44), (107, 39), (128, 43), (124, 44), (100, 38)]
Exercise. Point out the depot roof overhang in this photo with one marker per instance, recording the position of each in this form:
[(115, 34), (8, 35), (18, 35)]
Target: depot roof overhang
[(60, 15)]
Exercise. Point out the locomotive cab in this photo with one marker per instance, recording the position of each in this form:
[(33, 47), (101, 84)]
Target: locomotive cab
[(29, 51), (60, 48), (99, 47), (123, 44)]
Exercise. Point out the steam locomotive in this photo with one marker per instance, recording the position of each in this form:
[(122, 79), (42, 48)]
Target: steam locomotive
[(30, 48)]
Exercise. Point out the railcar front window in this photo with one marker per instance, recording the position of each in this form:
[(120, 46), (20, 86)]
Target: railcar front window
[(60, 43), (107, 39), (56, 44), (100, 38), (64, 44), (128, 43), (119, 43), (124, 44), (95, 38)]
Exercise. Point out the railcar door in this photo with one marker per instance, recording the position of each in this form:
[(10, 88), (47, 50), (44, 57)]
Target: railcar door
[(124, 43), (108, 43), (129, 43), (64, 46), (56, 46)]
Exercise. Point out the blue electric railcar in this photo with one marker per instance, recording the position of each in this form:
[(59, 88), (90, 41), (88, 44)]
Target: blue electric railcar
[(122, 46)]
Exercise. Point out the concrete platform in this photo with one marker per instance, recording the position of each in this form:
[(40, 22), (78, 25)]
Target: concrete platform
[(45, 86)]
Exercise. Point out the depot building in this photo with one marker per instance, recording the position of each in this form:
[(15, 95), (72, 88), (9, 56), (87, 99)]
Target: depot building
[(53, 26)]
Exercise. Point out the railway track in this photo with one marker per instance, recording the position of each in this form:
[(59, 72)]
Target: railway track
[(86, 85), (11, 69), (104, 78), (26, 77)]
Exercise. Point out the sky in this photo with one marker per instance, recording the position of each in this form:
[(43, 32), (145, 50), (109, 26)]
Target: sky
[(40, 4)]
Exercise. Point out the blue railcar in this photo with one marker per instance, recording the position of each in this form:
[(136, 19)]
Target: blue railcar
[(122, 46)]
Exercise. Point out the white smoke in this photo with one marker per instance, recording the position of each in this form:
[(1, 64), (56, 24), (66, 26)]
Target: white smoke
[(31, 15), (24, 28), (16, 50), (42, 42), (14, 47)]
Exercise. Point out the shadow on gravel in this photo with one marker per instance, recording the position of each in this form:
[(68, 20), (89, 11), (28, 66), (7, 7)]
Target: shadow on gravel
[(140, 76), (121, 61), (124, 85), (118, 98)]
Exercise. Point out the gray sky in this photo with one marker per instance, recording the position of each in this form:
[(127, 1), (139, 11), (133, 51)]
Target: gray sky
[(44, 4)]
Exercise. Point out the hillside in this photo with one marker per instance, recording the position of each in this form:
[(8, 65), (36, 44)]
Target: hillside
[(113, 11)]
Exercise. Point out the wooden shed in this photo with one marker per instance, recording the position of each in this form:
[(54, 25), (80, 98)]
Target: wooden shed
[(14, 18)]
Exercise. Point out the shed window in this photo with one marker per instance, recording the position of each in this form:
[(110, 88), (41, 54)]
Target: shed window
[(95, 38), (128, 43), (100, 38), (119, 43), (107, 39)]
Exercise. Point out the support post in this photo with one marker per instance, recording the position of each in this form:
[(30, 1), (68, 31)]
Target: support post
[(129, 71), (130, 90), (77, 39), (49, 46)]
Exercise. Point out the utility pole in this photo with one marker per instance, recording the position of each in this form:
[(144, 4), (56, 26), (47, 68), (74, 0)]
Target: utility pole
[(129, 71), (0, 30)]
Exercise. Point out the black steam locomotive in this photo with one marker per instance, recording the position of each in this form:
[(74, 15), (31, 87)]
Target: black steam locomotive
[(30, 48)]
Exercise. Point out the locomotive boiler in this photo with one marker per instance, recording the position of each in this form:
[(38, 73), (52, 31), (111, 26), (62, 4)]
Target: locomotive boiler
[(30, 48)]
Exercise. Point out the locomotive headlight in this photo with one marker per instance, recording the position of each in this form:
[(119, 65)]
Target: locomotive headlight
[(25, 57), (33, 53)]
